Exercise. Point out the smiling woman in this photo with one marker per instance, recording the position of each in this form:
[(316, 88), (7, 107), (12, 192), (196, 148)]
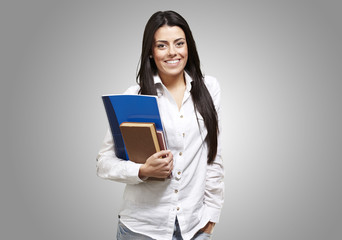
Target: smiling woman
[(187, 203), (170, 53)]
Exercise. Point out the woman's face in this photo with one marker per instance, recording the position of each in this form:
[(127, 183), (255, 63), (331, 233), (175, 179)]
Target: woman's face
[(170, 51)]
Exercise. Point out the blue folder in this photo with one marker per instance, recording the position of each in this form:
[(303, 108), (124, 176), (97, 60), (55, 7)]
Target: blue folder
[(129, 108)]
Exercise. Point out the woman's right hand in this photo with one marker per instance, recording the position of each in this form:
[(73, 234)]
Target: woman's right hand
[(159, 165)]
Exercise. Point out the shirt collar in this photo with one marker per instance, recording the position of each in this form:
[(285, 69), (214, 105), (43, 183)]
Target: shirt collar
[(158, 81), (188, 81)]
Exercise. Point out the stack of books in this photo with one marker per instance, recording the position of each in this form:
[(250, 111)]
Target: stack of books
[(135, 125)]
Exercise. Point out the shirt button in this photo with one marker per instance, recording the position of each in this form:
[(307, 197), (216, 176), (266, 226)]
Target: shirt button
[(181, 116), (183, 134), (178, 208), (178, 175), (180, 154), (176, 191)]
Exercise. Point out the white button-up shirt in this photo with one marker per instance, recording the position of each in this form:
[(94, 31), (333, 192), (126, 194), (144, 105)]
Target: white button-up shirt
[(194, 193)]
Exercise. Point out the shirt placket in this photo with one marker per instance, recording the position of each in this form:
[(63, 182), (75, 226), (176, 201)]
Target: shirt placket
[(179, 117), (178, 156), (177, 207)]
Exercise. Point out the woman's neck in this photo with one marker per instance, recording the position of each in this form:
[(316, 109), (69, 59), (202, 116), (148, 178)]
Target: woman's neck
[(173, 82), (176, 86)]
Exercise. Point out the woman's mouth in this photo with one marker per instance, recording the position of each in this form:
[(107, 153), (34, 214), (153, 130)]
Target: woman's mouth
[(172, 61)]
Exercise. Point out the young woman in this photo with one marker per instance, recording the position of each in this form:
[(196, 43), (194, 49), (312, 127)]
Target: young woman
[(187, 204)]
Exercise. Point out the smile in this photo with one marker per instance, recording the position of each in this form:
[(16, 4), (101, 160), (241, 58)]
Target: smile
[(172, 61)]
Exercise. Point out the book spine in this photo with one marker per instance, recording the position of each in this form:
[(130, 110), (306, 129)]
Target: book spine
[(161, 140), (119, 148)]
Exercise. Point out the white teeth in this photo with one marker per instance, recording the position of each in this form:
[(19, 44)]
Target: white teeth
[(174, 61)]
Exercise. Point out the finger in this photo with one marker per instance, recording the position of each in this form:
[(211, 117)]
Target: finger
[(162, 153), (171, 167), (169, 162), (169, 157), (170, 172), (170, 154)]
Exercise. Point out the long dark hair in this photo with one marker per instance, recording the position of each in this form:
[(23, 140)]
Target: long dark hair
[(203, 102)]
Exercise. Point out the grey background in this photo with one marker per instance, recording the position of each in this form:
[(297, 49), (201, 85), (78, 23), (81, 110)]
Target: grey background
[(279, 65)]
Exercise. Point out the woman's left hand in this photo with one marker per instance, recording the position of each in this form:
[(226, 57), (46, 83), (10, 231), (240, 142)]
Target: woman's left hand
[(209, 228)]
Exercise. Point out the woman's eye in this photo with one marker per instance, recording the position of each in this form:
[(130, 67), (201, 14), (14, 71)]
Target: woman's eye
[(161, 46), (179, 44)]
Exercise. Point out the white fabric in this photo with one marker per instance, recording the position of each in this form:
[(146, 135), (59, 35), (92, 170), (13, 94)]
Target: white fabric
[(194, 193)]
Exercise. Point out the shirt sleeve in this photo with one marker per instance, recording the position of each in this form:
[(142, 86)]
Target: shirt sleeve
[(113, 168), (214, 190), (109, 166)]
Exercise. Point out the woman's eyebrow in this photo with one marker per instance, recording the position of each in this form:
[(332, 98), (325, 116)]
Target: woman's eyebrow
[(179, 39), (164, 41)]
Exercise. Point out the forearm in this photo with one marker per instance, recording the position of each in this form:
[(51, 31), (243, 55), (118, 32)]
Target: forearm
[(110, 167), (118, 170)]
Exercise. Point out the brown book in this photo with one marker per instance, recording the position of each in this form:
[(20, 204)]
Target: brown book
[(140, 140)]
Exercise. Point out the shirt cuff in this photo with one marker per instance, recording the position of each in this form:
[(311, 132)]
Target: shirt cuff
[(135, 172), (214, 214)]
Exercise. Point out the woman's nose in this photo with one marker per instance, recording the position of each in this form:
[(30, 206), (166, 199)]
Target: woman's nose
[(172, 51)]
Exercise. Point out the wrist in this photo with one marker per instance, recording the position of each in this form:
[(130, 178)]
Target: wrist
[(142, 172)]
